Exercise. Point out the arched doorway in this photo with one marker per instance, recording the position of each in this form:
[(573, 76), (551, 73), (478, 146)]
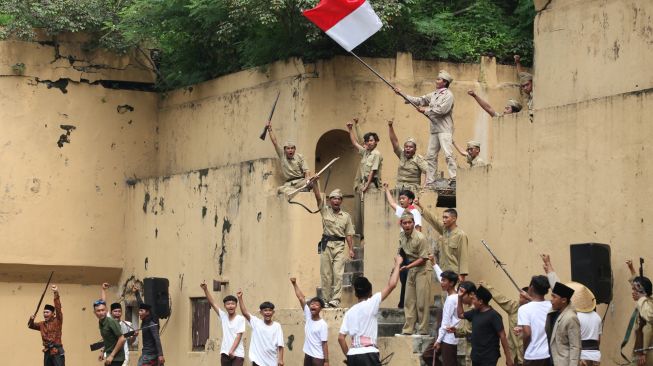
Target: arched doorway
[(332, 144)]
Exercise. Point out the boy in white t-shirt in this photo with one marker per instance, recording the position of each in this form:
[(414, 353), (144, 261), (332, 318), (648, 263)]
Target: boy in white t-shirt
[(406, 198), (360, 321), (316, 330), (232, 351), (531, 321), (266, 346)]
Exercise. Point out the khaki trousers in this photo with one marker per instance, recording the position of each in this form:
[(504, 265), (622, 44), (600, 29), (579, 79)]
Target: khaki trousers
[(439, 141), (332, 267), (418, 299)]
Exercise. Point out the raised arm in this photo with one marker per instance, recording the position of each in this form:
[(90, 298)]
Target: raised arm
[(510, 306), (57, 303), (518, 64), (393, 139), (209, 298), (389, 197), (298, 292), (103, 291), (318, 196), (548, 269), (394, 278), (429, 217), (243, 309), (352, 135), (273, 138), (483, 104), (460, 150)]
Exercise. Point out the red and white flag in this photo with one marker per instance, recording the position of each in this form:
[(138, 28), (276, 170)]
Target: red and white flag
[(348, 22)]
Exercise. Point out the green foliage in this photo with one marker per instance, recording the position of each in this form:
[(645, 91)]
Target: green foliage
[(195, 40)]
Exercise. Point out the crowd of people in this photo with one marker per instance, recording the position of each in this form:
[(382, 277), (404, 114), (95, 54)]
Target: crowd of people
[(564, 330)]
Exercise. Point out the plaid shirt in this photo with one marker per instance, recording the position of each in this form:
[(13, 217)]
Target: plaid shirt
[(50, 329)]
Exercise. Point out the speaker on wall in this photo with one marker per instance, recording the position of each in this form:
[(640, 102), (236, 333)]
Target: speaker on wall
[(156, 294), (590, 265)]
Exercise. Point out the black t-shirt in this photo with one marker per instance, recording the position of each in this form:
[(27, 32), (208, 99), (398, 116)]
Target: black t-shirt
[(485, 335)]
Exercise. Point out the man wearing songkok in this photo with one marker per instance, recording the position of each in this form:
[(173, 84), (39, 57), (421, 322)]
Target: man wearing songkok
[(50, 328), (563, 328)]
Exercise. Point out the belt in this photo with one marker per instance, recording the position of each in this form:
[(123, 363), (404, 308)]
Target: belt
[(590, 344), (332, 238)]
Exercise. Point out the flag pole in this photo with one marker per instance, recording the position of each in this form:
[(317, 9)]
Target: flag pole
[(384, 80)]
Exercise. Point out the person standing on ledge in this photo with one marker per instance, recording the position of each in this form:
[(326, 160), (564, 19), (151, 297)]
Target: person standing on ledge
[(438, 107), (526, 84), (412, 165), (293, 165), (337, 228), (50, 328)]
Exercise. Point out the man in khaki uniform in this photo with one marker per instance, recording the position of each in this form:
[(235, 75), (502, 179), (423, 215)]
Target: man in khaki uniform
[(452, 243), (472, 153), (438, 107), (369, 169), (293, 166), (512, 106), (511, 306), (563, 328), (412, 166), (641, 293), (337, 228), (420, 277), (526, 84)]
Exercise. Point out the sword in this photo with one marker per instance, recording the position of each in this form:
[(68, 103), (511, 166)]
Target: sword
[(313, 178), (265, 129), (500, 265), (42, 295)]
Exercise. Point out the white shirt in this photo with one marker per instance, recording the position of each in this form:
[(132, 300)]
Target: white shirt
[(590, 328), (125, 327), (265, 343), (449, 319), (417, 217), (360, 323), (230, 330), (533, 314), (316, 332)]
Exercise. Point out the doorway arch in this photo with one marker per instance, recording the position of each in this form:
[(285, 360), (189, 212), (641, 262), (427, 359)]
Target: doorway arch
[(332, 144)]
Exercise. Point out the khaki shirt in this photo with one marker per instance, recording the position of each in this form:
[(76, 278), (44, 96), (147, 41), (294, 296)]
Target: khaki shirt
[(415, 246), (439, 111), (294, 168), (451, 244), (530, 105), (336, 224), (645, 307), (475, 162), (410, 170), (370, 160)]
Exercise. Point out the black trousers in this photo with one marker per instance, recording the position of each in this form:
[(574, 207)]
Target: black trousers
[(403, 277), (53, 360), (366, 359), (312, 361)]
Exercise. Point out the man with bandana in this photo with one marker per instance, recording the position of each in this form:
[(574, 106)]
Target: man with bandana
[(438, 107), (50, 328), (293, 165)]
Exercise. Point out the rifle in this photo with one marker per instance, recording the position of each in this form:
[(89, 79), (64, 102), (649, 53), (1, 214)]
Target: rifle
[(99, 345), (500, 265), (265, 129), (42, 295), (308, 183)]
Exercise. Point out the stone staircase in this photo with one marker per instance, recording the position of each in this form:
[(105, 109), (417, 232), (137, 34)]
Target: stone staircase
[(353, 268)]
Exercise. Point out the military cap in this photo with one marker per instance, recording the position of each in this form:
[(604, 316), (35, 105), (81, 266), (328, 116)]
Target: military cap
[(524, 77), (289, 143), (411, 140), (472, 143), (515, 104), (407, 215), (335, 193), (444, 75)]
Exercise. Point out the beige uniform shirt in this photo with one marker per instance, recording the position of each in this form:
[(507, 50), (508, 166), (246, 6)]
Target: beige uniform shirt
[(475, 162), (410, 170), (294, 168), (336, 224), (370, 160), (439, 109), (415, 246), (451, 244)]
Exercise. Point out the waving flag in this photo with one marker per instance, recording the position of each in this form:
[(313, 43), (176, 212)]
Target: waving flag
[(348, 22)]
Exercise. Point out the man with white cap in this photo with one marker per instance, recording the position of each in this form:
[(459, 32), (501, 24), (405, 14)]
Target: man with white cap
[(512, 106), (412, 165), (337, 228), (438, 107), (293, 166), (563, 327), (526, 84), (472, 153)]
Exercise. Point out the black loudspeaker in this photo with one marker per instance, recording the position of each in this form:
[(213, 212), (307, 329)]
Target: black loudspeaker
[(590, 265), (156, 294)]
